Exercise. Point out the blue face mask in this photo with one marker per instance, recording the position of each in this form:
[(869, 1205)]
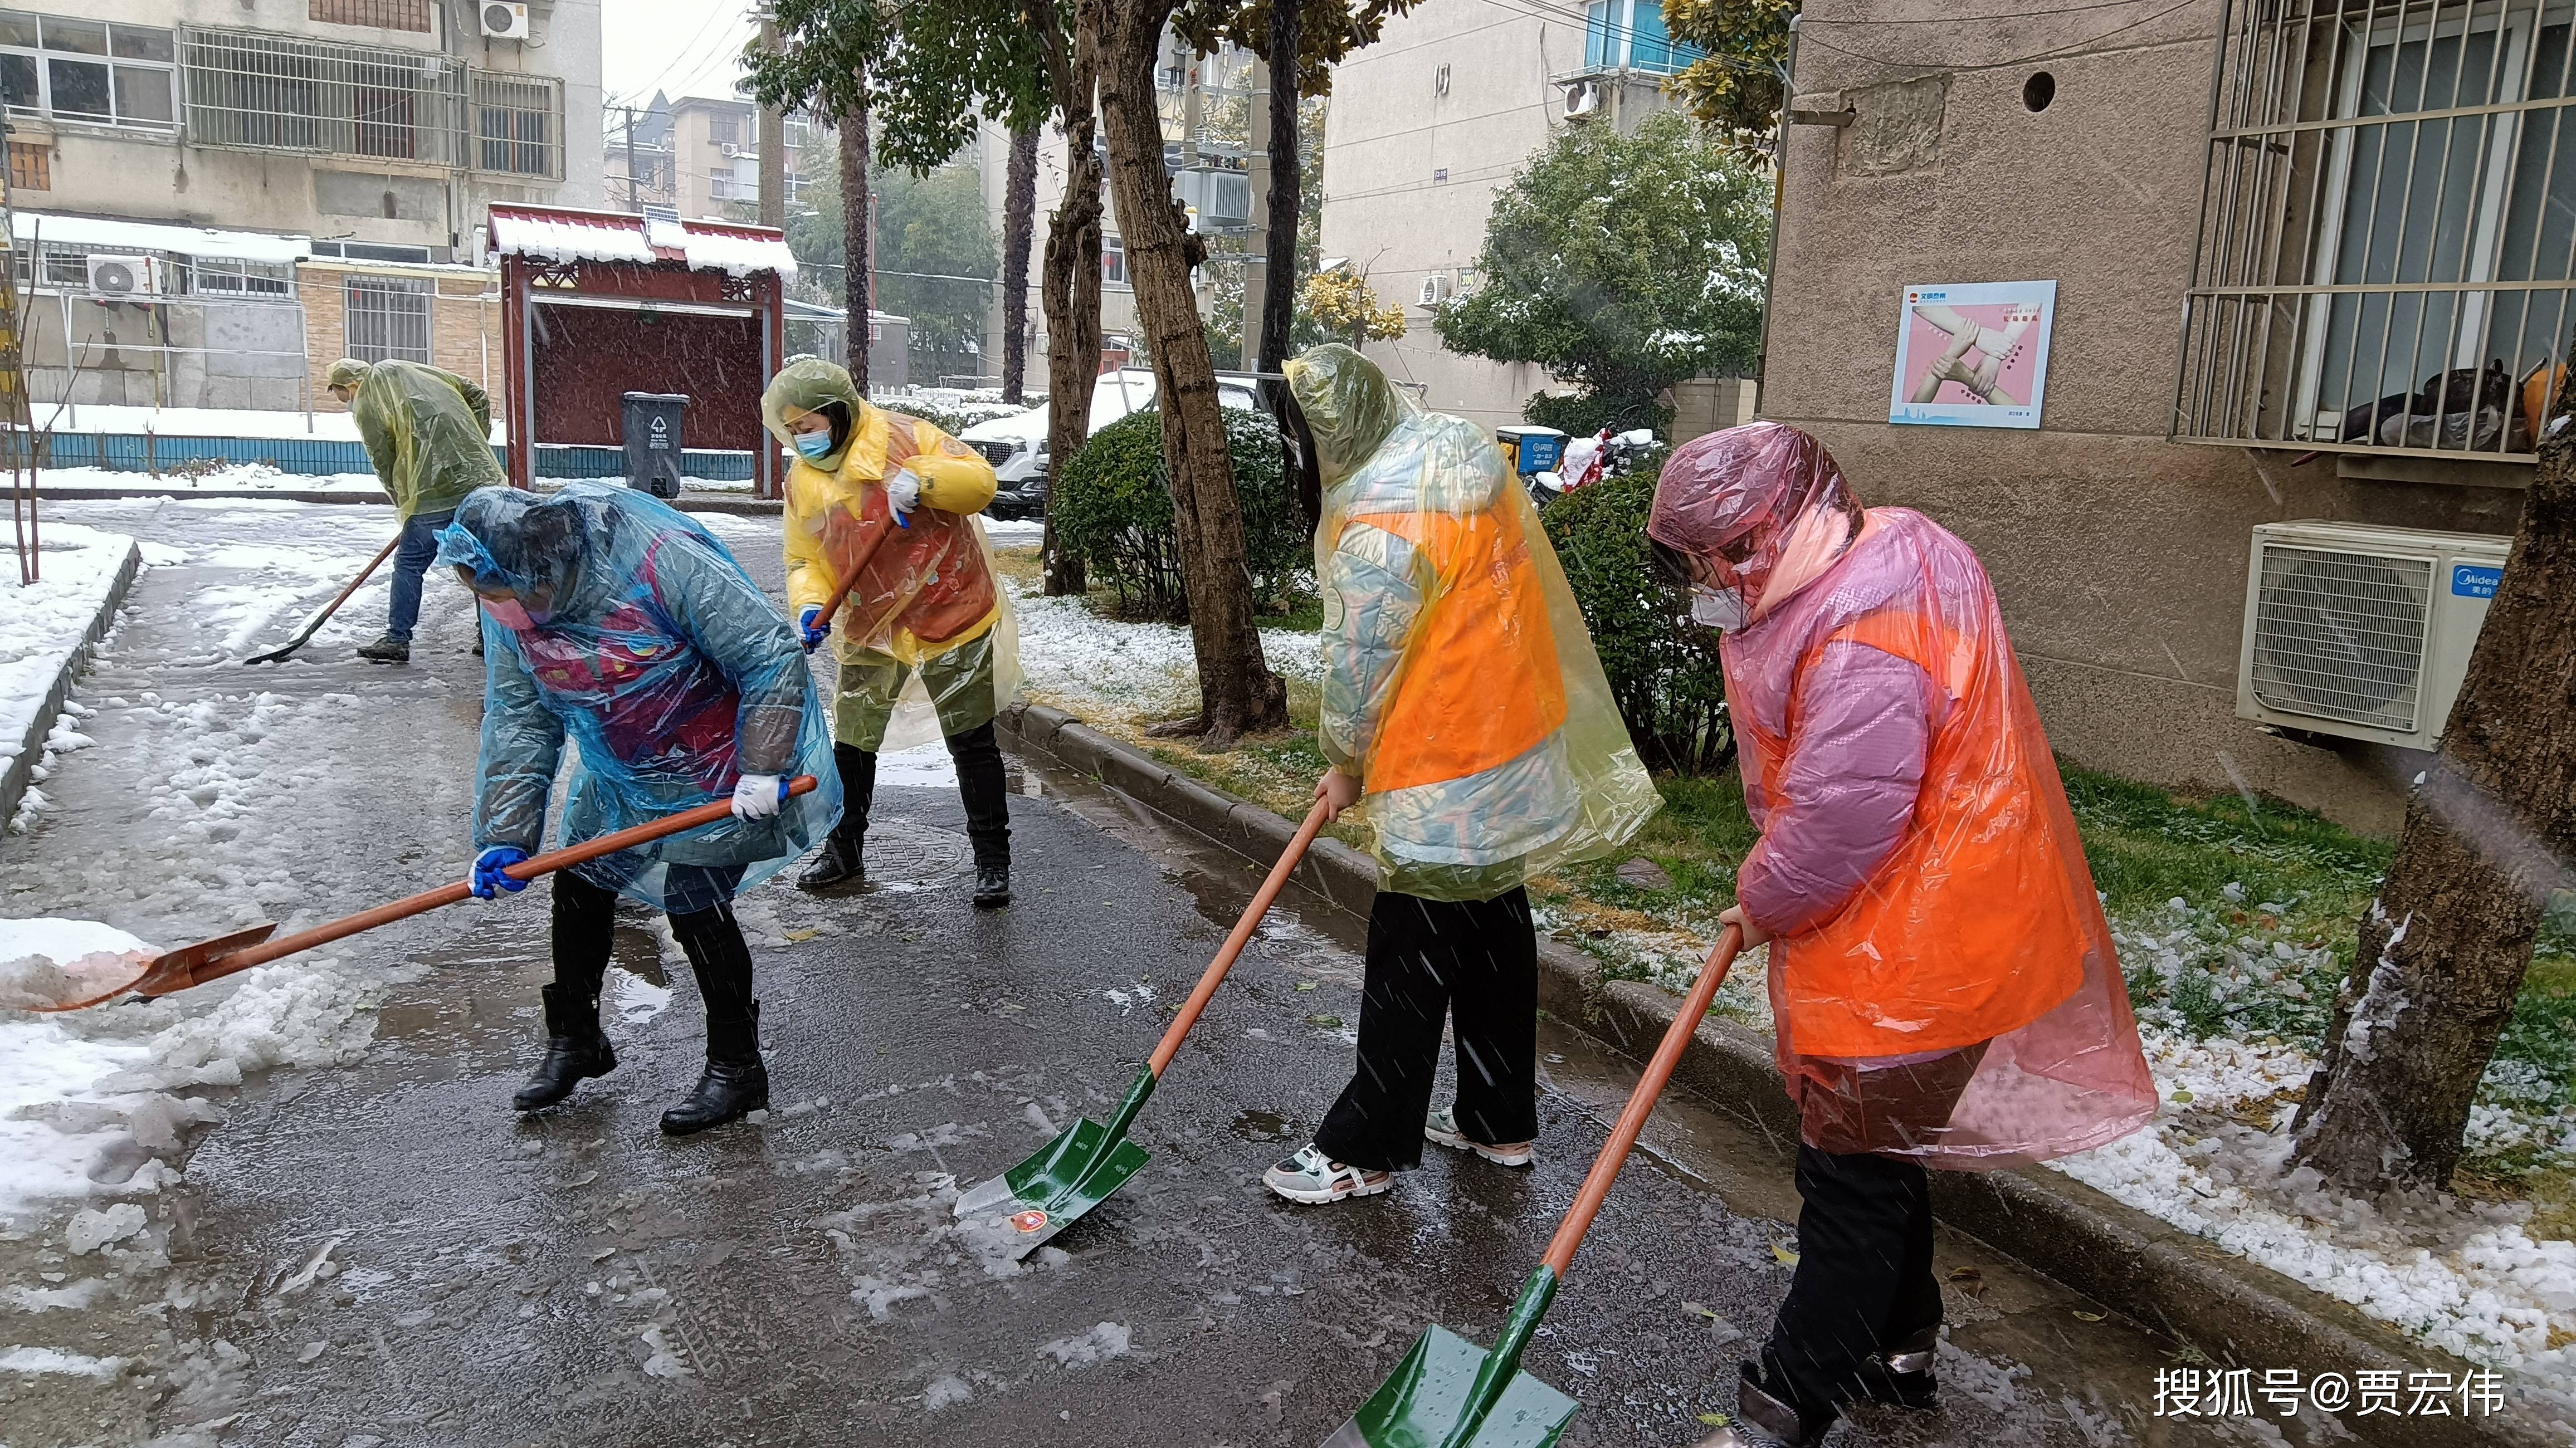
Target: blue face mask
[(813, 445)]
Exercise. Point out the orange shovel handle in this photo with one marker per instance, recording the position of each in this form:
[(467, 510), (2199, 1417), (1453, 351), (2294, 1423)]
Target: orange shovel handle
[(1234, 943), (427, 900)]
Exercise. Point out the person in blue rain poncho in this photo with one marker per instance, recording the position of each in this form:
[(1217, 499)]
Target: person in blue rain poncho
[(613, 621)]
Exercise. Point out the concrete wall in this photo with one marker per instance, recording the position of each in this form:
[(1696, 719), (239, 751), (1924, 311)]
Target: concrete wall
[(218, 353), (2120, 557)]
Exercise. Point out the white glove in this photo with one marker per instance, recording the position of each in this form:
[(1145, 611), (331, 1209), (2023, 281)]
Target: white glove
[(903, 493), (758, 796)]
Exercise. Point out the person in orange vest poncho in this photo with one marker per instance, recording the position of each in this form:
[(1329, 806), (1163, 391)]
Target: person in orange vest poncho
[(1469, 723), (1943, 984), (926, 642)]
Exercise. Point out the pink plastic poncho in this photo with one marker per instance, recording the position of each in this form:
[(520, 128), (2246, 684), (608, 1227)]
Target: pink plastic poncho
[(1942, 981)]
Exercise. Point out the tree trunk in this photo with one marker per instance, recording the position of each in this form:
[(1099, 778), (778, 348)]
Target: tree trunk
[(1071, 295), (858, 236), (2445, 946), (1019, 217), (1279, 278), (1237, 691)]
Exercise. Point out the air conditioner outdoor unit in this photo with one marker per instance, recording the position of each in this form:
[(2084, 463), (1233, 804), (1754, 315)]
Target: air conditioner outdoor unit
[(503, 20), (2362, 632), (124, 276), (1582, 98), (1435, 289), (730, 151)]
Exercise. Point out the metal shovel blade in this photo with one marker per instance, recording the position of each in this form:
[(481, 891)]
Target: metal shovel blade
[(170, 970), (1048, 1192), (1421, 1402)]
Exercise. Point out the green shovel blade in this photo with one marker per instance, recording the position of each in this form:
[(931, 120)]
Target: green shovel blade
[(1068, 1177), (1420, 1405)]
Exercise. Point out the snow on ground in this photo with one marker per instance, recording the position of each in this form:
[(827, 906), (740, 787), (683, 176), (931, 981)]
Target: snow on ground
[(43, 622), (1100, 669), (226, 478)]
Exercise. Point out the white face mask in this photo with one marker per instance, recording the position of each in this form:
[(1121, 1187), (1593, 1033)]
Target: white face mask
[(1721, 609)]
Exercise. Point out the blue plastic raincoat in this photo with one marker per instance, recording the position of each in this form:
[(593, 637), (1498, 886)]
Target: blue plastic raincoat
[(636, 635)]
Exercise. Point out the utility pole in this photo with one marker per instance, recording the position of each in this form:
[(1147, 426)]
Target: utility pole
[(634, 196), (773, 140)]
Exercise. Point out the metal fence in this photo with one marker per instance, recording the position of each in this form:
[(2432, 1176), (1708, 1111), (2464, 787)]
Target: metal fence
[(518, 124), (387, 318), (280, 92), (148, 455), (2387, 246)]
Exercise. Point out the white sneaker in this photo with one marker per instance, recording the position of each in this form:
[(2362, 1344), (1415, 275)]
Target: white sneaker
[(1314, 1178), (1442, 1127)]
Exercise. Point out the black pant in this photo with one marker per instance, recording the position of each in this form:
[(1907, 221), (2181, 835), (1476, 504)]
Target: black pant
[(1864, 1278), (1474, 962), (980, 783), (585, 919)]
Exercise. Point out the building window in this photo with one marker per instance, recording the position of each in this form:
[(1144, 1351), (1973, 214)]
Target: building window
[(220, 276), (724, 129), (283, 93), (387, 319), (383, 14), (372, 251), (720, 186), (86, 71), (515, 123), (1630, 35), (2390, 224), (1113, 261), (31, 166), (64, 267)]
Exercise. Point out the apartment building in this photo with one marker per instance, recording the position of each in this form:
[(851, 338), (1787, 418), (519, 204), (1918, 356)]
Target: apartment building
[(2312, 275), (234, 139), (1437, 116), (713, 150)]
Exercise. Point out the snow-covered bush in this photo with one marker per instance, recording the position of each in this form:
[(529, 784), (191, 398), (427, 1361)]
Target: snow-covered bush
[(1113, 506), (1663, 668)]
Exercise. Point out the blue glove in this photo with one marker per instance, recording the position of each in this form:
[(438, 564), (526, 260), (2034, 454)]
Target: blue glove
[(813, 626), (486, 875)]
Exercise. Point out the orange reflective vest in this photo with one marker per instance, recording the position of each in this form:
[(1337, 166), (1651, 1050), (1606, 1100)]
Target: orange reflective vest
[(1479, 686), (1973, 927)]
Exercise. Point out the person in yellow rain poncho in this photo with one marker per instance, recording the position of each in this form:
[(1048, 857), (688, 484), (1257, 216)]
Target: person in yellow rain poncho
[(429, 434), (1467, 719), (885, 504)]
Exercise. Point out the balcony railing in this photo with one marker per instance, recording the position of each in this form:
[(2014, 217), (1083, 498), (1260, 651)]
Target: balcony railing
[(2387, 245), (251, 90)]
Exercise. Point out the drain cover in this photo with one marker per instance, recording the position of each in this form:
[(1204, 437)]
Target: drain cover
[(902, 852)]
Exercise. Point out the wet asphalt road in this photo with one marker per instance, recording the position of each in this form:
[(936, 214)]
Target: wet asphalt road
[(574, 1278)]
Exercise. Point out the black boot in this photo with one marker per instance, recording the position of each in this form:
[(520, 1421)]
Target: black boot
[(842, 864), (1902, 1375), (575, 1049), (735, 1083), (386, 650), (987, 796)]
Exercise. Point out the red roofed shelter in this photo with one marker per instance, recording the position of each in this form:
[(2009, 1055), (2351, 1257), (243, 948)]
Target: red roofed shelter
[(597, 304)]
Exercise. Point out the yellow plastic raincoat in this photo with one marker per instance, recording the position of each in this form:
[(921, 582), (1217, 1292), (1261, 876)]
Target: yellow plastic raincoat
[(429, 434), (1460, 684), (926, 641)]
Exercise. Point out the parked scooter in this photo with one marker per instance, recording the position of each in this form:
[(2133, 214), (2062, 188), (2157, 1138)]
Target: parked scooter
[(1590, 459)]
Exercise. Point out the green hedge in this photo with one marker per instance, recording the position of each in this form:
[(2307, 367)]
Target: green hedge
[(1112, 504), (947, 420), (1663, 668)]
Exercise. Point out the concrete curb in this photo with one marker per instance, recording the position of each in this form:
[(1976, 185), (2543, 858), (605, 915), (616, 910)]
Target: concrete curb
[(18, 773), (2235, 1312)]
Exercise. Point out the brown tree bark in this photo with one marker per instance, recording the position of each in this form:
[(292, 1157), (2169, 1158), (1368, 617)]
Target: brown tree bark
[(858, 238), (1279, 278), (1069, 290), (2447, 943), (1237, 691), (1019, 221)]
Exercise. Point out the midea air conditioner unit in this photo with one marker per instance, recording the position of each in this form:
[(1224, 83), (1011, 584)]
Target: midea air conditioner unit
[(1582, 98), (503, 20), (2362, 632), (124, 276)]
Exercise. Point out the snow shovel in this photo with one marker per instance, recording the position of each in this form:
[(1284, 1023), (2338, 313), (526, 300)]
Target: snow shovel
[(1446, 1394), (176, 970), (1073, 1173), (313, 624)]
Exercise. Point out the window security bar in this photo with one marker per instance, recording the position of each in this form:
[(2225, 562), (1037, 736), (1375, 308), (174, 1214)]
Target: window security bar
[(282, 93), (2386, 258)]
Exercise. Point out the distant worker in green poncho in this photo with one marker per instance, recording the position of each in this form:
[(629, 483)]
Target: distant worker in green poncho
[(429, 434)]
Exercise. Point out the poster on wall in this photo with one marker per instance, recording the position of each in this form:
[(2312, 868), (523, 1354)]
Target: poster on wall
[(1973, 354)]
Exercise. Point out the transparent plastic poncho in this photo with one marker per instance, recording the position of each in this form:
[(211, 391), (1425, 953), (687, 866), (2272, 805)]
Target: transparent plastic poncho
[(651, 650), (1943, 983), (1460, 684), (924, 590), (429, 434)]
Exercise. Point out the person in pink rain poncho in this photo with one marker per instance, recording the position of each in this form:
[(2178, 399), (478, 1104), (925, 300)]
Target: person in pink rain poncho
[(1943, 984)]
